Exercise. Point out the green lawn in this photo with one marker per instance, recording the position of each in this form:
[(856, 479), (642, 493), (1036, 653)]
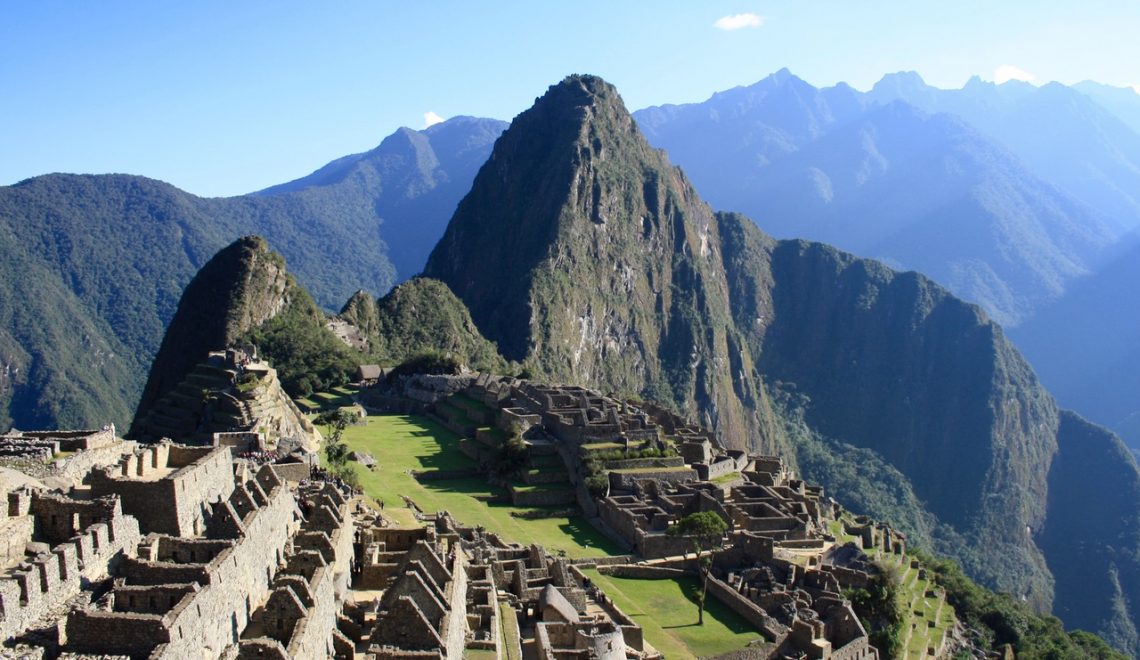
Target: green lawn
[(402, 443), (338, 397), (667, 612)]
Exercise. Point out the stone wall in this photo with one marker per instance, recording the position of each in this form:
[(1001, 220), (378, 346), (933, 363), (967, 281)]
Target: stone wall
[(84, 553), (198, 477), (76, 467), (313, 635), (624, 480), (639, 572), (718, 468), (545, 497), (207, 621), (773, 630), (453, 628), (292, 472), (634, 463)]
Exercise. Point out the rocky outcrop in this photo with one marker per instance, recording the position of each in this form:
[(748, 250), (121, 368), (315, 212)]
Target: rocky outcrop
[(241, 287)]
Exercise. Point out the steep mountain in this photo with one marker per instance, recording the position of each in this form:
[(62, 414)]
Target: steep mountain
[(117, 250), (886, 181), (243, 297), (423, 316), (1086, 346), (1062, 135), (581, 251), (233, 300), (1122, 102)]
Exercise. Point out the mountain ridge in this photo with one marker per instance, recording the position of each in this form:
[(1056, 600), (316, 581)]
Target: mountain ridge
[(706, 311), (118, 249)]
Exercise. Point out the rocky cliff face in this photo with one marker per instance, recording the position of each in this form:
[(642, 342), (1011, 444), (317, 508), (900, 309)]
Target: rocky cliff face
[(583, 252), (241, 287)]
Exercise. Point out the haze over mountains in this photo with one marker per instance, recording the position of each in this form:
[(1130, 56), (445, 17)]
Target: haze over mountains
[(1009, 194), (587, 255)]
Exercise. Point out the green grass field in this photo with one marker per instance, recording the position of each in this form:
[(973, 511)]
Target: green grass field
[(402, 443), (338, 397), (667, 612), (666, 609)]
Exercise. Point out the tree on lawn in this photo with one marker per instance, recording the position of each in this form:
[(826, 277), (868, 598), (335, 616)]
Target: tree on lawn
[(705, 531), (336, 452)]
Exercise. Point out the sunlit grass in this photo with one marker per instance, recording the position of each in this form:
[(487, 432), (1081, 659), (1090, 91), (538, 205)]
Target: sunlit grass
[(666, 610)]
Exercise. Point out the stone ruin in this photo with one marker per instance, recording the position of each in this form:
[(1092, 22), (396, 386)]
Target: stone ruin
[(170, 551), (447, 590), (781, 569), (230, 392)]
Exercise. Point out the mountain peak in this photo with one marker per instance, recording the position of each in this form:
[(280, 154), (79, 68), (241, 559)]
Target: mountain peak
[(241, 287), (901, 83), (578, 91)]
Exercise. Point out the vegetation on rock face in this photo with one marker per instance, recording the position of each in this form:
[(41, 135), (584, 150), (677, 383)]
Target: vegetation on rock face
[(95, 265), (707, 313), (583, 253), (245, 296), (881, 609), (996, 619), (423, 317)]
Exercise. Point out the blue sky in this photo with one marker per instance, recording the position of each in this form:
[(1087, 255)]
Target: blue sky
[(222, 98)]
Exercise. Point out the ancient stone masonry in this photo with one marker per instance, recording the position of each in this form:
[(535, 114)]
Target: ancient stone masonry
[(54, 547), (769, 501), (304, 603), (229, 392), (798, 608), (169, 551), (780, 570), (448, 589), (62, 459), (185, 480), (185, 596), (270, 570), (571, 432)]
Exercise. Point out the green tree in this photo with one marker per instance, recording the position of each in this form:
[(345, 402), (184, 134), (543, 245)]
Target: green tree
[(705, 531), (335, 422), (510, 458)]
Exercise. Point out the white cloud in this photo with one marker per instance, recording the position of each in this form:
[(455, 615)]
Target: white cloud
[(1007, 72), (1135, 88), (431, 119), (739, 21)]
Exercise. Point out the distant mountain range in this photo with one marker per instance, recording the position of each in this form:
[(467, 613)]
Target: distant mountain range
[(1086, 345), (1010, 195), (97, 263)]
